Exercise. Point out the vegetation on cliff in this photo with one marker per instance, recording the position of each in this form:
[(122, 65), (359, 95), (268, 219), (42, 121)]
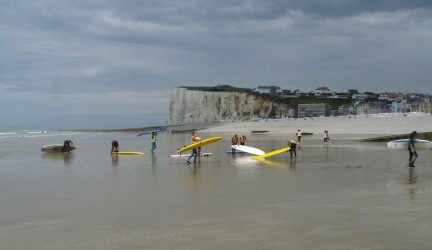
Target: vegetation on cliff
[(277, 99), (220, 88)]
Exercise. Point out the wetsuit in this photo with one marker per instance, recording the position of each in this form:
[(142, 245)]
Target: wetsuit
[(114, 146), (154, 139), (412, 152)]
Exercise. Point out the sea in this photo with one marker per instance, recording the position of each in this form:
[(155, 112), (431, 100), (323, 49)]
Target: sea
[(347, 195)]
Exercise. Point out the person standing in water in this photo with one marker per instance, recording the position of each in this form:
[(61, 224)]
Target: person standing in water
[(293, 146), (326, 138), (411, 149), (299, 135), (67, 146), (242, 140), (154, 139), (195, 139), (114, 146), (234, 141)]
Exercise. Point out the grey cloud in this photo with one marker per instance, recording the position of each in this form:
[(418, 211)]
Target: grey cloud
[(71, 47)]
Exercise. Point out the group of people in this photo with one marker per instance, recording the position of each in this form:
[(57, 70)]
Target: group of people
[(236, 140), (292, 144), (115, 144)]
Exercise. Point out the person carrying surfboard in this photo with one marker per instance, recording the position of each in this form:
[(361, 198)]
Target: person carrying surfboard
[(154, 139), (195, 139), (411, 149)]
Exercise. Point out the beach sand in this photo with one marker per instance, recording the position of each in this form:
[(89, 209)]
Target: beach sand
[(341, 128), (349, 195)]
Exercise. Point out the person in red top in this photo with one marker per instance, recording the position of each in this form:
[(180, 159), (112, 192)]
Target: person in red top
[(67, 146)]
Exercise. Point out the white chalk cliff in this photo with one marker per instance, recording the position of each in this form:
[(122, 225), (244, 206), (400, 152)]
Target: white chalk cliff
[(190, 106)]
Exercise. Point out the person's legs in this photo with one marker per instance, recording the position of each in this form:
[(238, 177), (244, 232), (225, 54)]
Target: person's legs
[(194, 154)]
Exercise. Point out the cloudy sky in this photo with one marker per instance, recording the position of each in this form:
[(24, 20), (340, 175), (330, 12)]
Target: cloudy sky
[(112, 64)]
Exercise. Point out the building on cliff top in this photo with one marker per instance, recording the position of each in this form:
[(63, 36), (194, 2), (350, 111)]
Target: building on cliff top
[(272, 90)]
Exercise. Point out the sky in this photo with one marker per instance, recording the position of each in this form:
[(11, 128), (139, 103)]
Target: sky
[(108, 64)]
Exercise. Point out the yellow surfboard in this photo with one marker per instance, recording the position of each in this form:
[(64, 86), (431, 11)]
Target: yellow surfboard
[(127, 153), (276, 152), (200, 144)]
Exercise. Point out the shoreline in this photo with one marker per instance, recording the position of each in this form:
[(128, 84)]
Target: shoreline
[(180, 128), (385, 126)]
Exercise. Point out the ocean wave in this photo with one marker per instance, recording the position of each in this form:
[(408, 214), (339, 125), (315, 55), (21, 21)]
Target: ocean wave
[(35, 134)]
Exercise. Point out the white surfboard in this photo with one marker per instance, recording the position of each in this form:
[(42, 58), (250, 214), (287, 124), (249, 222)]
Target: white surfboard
[(403, 144), (247, 149)]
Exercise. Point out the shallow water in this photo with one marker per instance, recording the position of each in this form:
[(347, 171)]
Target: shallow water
[(348, 195)]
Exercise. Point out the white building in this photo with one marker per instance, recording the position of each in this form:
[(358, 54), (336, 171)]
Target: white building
[(322, 90), (359, 96), (272, 90)]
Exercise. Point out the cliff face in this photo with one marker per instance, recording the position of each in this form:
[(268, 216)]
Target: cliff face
[(189, 106)]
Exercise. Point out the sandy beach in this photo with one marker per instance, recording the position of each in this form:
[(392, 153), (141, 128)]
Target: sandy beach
[(341, 128), (349, 195)]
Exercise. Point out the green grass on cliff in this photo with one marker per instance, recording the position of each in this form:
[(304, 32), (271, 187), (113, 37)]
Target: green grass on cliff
[(335, 103), (220, 88)]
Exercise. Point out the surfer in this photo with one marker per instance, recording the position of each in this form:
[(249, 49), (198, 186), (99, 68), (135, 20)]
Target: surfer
[(234, 141), (67, 146), (195, 139), (299, 135), (411, 149), (242, 140), (293, 146), (154, 139), (114, 146)]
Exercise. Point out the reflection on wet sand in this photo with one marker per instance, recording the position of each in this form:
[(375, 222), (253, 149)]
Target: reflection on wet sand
[(66, 157), (114, 160), (412, 176), (248, 162)]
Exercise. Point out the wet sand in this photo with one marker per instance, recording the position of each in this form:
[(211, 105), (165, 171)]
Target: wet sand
[(348, 195)]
